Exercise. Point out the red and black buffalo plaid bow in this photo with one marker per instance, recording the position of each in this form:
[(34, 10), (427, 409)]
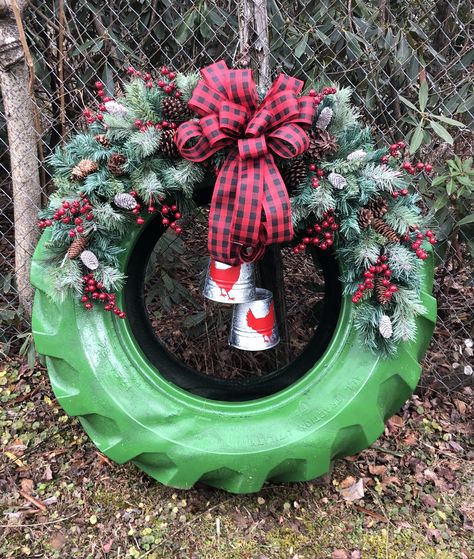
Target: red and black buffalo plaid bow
[(250, 205)]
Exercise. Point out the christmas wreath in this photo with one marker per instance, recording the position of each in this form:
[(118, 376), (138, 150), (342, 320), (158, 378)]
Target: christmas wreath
[(291, 168)]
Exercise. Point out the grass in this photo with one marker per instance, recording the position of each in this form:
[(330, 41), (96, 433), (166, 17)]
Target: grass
[(61, 498)]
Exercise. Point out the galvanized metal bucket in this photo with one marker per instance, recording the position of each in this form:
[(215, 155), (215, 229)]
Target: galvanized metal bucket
[(254, 327), (229, 284)]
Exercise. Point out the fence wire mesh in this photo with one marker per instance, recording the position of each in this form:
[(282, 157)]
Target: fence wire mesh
[(382, 49)]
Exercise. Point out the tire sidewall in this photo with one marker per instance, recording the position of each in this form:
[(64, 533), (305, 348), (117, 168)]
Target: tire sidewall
[(107, 374)]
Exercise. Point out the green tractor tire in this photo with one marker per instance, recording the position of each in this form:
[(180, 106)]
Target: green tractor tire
[(181, 428)]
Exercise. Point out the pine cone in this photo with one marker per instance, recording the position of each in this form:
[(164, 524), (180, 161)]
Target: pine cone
[(337, 180), (77, 246), (295, 173), (324, 118), (175, 109), (125, 201), (167, 145), (365, 217), (321, 144), (378, 206), (380, 290), (115, 164), (384, 229), (385, 326), (89, 259), (102, 139), (83, 168)]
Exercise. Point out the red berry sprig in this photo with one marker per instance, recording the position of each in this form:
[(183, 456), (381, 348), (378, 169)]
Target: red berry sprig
[(320, 234), (318, 174), (171, 215), (165, 82), (93, 291), (159, 125), (416, 244), (318, 97), (71, 212), (382, 269), (414, 168)]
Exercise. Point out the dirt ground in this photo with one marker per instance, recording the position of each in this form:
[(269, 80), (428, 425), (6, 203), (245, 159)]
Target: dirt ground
[(409, 495)]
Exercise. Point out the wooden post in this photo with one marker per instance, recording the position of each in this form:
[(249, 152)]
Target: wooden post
[(16, 91)]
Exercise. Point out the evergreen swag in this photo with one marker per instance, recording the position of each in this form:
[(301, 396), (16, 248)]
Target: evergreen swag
[(355, 197)]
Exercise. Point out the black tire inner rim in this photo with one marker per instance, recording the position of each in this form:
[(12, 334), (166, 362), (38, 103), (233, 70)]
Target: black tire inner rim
[(173, 369)]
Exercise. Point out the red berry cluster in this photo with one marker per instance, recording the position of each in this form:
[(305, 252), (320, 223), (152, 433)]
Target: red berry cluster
[(136, 209), (165, 82), (413, 168), (70, 212), (103, 98), (160, 125), (170, 214), (394, 151), (170, 217), (402, 192), (94, 291), (416, 244), (380, 268), (318, 97), (320, 234), (319, 174)]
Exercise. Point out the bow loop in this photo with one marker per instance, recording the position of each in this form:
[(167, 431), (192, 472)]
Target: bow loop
[(259, 123), (252, 148), (288, 141), (250, 206), (232, 118)]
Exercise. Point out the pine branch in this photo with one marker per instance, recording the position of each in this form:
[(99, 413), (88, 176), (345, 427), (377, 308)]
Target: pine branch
[(186, 83), (345, 115), (142, 144), (384, 177)]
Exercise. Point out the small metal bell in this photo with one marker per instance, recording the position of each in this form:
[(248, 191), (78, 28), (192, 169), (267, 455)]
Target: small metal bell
[(254, 327), (229, 284)]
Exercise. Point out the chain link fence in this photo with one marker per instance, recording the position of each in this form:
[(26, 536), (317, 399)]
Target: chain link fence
[(382, 49)]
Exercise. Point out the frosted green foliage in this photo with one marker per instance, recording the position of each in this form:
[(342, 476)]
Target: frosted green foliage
[(155, 96), (119, 128), (384, 177), (137, 100), (186, 84), (149, 186), (401, 216), (111, 277), (183, 176), (143, 144), (97, 184), (320, 199), (403, 262), (376, 154), (407, 306), (341, 166), (345, 115), (367, 189), (110, 220), (106, 248), (62, 161), (349, 227), (366, 323), (65, 279), (84, 146), (354, 138), (366, 251)]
